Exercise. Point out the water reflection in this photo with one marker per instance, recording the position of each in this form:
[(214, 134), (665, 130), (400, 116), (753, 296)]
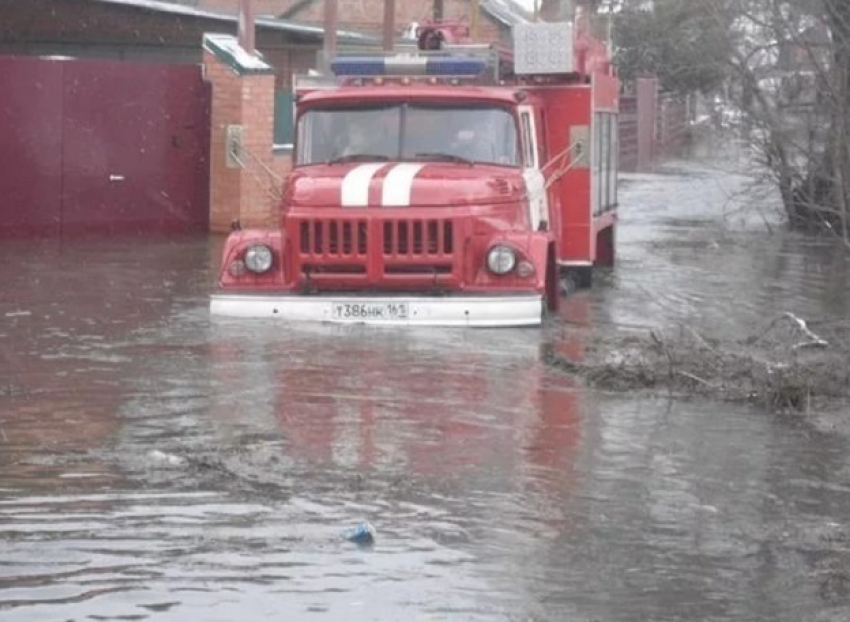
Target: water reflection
[(364, 400)]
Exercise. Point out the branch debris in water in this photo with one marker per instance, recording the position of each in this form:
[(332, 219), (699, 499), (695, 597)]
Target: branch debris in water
[(785, 366)]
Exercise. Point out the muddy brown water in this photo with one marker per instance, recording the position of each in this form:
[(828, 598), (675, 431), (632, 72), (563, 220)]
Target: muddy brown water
[(155, 465)]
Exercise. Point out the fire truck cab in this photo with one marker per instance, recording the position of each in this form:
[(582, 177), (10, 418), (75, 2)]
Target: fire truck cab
[(445, 184)]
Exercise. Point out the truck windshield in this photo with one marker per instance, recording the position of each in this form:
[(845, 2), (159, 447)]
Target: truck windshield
[(408, 132)]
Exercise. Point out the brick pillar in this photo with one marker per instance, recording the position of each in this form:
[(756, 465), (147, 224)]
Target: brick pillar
[(242, 134), (647, 117)]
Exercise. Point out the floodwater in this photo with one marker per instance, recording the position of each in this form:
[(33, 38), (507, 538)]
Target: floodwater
[(156, 465)]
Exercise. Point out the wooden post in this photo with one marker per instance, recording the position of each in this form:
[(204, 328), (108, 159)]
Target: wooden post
[(246, 26), (647, 121), (389, 25), (473, 21), (330, 28)]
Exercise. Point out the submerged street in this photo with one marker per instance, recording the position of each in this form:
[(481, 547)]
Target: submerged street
[(158, 465)]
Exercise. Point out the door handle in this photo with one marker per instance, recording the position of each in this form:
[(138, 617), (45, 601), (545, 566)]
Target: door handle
[(116, 178)]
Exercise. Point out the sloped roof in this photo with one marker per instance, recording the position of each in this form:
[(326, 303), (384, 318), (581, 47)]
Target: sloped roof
[(161, 6), (506, 11)]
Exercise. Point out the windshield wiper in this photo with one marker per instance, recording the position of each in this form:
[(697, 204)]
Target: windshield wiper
[(447, 157), (358, 157)]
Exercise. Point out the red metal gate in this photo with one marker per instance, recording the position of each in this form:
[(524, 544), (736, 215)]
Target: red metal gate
[(96, 146)]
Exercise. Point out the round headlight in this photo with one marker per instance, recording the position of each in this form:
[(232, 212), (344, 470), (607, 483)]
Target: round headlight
[(501, 259), (258, 258)]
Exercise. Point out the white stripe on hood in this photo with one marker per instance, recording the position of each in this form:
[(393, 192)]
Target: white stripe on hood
[(355, 185), (398, 185)]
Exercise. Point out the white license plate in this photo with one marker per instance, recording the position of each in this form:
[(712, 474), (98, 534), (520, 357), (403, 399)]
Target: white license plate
[(366, 311)]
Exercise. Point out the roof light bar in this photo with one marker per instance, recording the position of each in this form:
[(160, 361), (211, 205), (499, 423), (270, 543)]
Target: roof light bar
[(408, 66)]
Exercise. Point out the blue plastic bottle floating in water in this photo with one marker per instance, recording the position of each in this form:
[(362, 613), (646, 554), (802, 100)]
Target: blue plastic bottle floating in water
[(363, 533)]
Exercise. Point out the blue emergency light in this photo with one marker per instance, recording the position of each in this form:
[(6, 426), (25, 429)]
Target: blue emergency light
[(364, 66)]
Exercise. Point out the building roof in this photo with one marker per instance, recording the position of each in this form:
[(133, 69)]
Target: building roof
[(506, 11), (161, 6)]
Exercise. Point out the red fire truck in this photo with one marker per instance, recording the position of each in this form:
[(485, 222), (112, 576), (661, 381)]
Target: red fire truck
[(443, 184)]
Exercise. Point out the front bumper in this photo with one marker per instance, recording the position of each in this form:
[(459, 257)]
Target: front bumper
[(477, 311)]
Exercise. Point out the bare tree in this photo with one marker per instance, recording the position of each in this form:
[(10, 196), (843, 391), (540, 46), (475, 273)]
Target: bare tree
[(790, 62), (783, 64), (682, 42), (837, 157)]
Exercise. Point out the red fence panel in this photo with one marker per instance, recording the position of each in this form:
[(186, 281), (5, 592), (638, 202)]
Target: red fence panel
[(30, 146), (97, 146), (628, 134), (134, 159)]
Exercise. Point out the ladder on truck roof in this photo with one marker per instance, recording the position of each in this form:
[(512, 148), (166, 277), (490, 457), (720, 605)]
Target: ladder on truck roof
[(542, 52), (455, 60)]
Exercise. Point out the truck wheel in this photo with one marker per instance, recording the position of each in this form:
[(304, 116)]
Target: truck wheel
[(551, 296), (584, 276), (575, 278), (567, 284), (553, 293)]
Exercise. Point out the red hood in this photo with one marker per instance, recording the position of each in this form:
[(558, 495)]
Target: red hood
[(405, 184)]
